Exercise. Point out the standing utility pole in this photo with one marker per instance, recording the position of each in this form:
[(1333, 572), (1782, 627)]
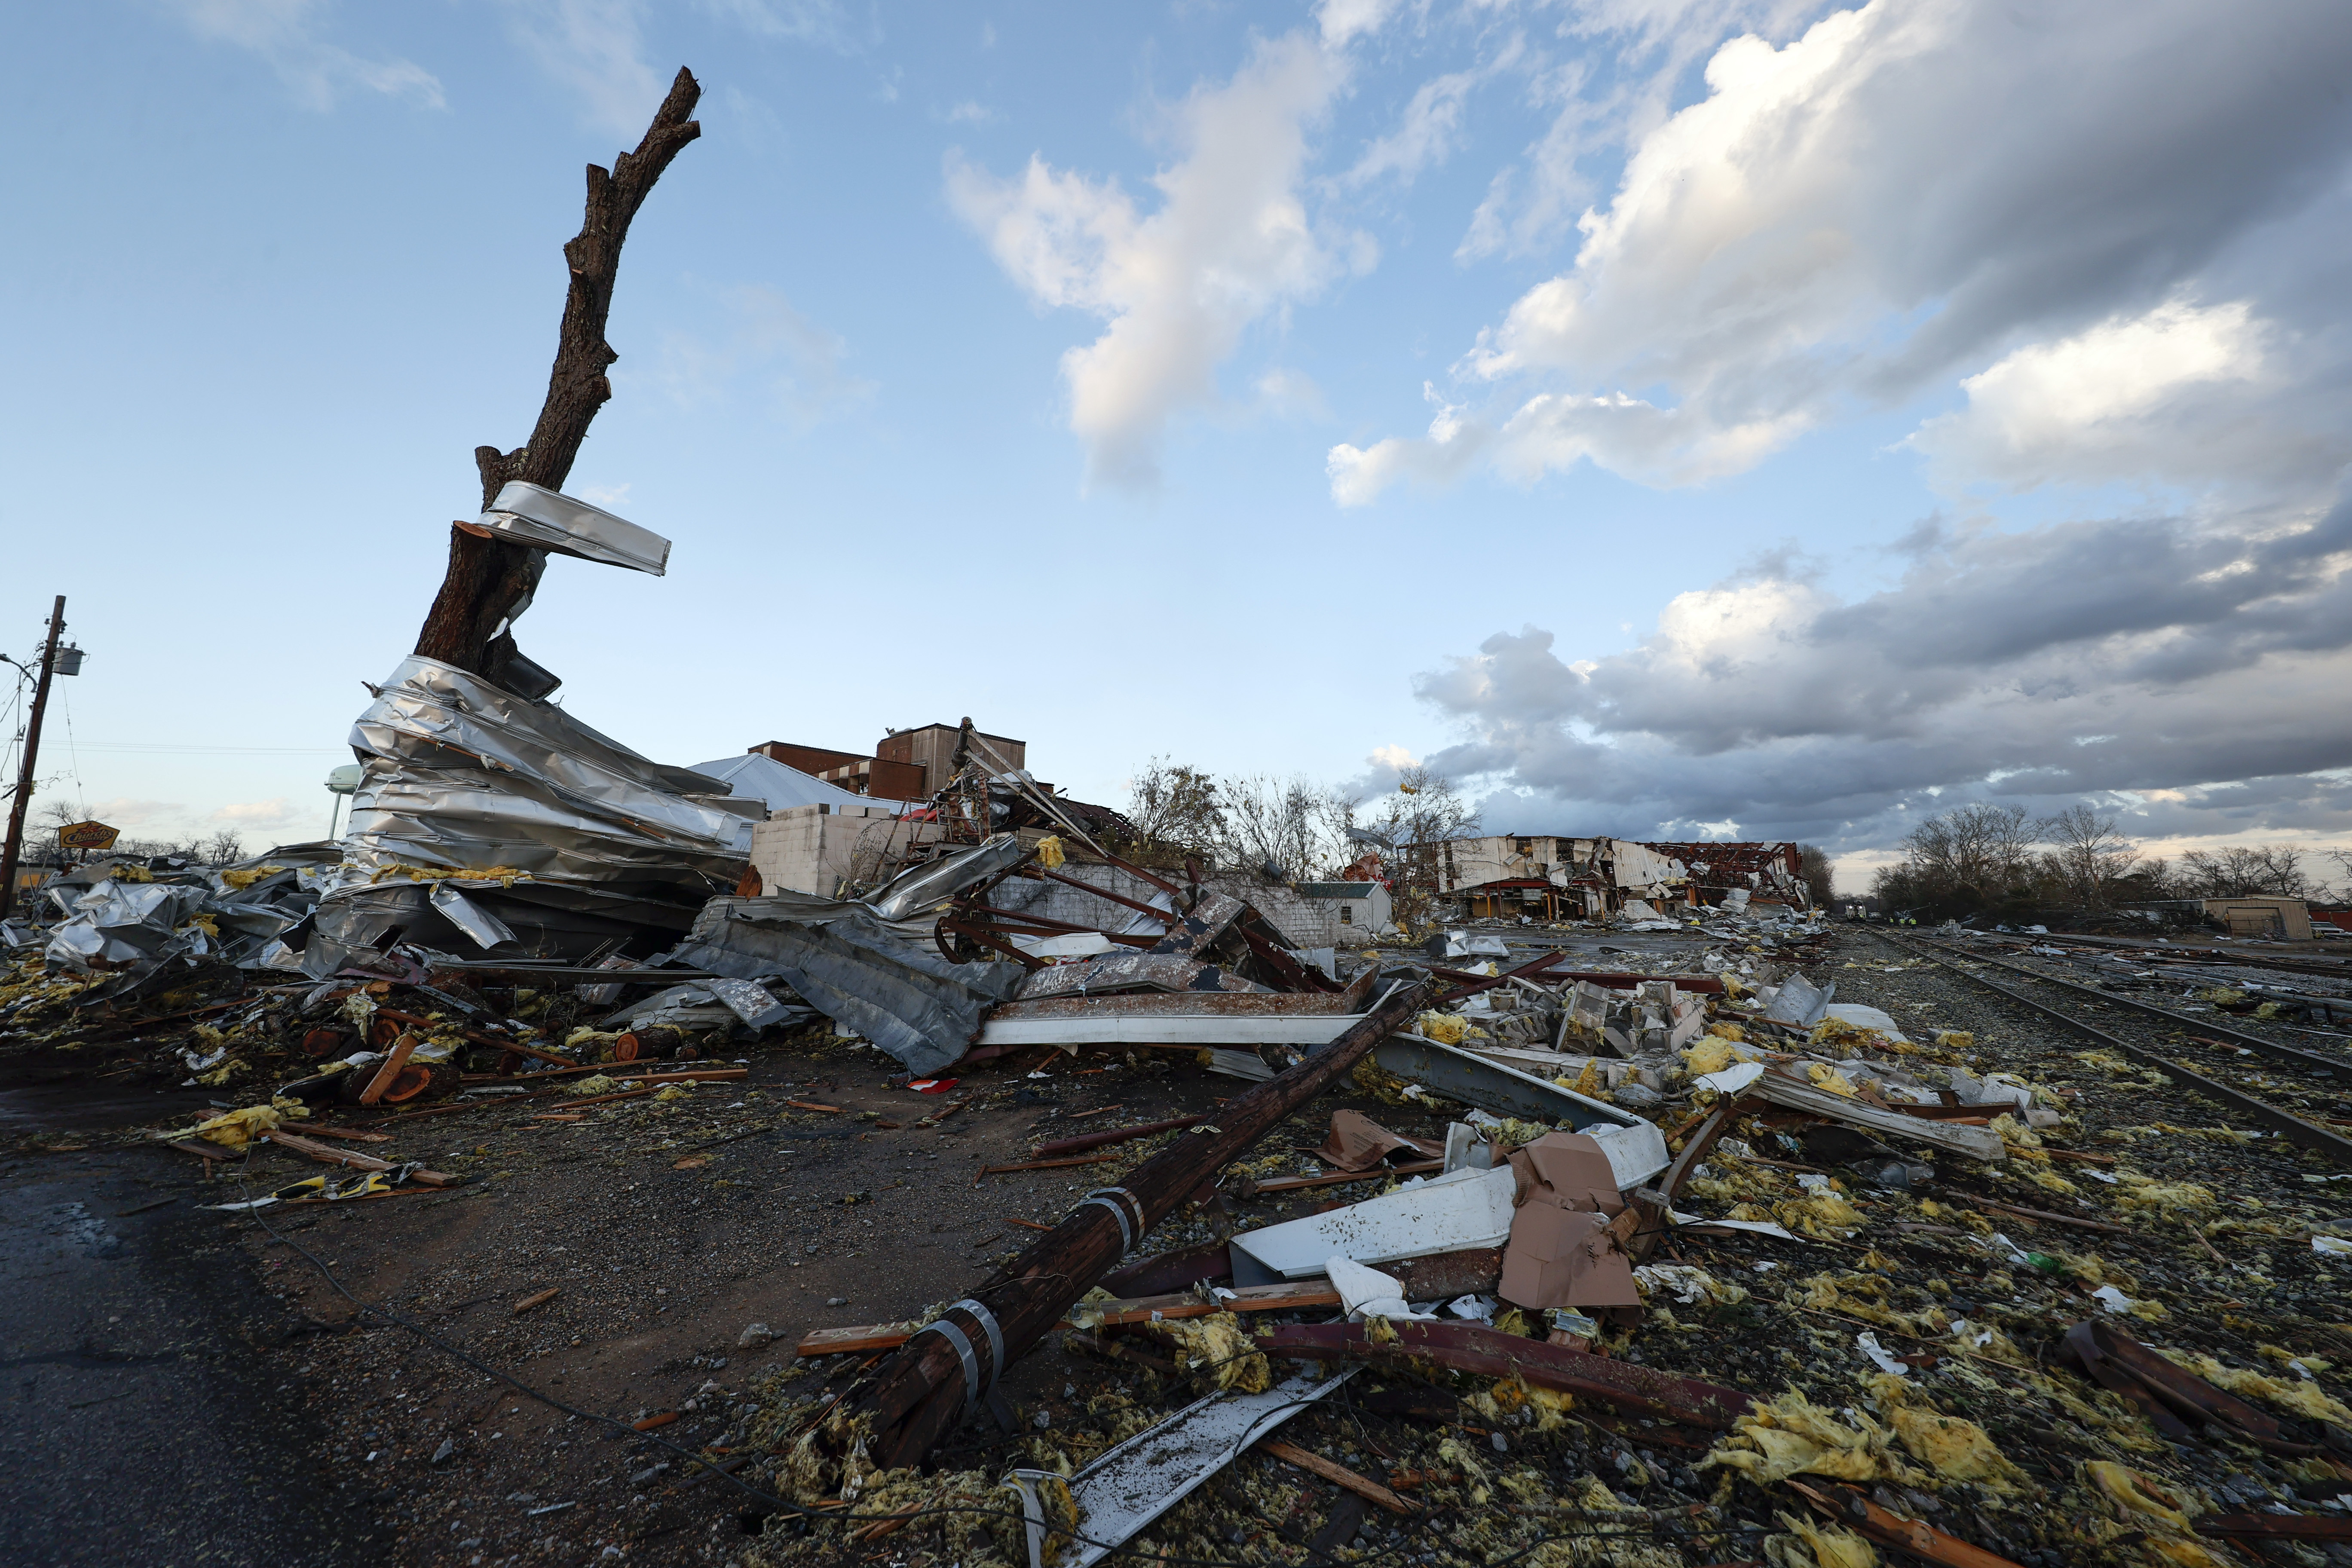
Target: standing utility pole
[(16, 809)]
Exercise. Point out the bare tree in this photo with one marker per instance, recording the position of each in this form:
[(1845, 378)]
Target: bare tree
[(223, 848), (2091, 857), (1425, 812), (1969, 857), (2242, 870), (1820, 878), (1297, 827), (488, 582), (1175, 811)]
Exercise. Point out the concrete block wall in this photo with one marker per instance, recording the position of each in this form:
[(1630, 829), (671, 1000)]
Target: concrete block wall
[(813, 849)]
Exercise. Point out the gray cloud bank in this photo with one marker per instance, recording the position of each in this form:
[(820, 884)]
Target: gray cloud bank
[(2113, 237)]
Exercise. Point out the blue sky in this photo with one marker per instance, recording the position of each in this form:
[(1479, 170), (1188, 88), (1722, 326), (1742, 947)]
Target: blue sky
[(1234, 384)]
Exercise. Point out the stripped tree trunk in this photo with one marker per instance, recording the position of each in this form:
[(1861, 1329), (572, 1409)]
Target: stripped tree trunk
[(489, 582)]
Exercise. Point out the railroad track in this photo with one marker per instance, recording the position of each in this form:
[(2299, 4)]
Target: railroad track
[(2189, 1050)]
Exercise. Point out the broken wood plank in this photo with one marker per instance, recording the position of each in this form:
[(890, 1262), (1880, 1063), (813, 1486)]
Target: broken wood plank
[(812, 1105), (1337, 1474), (1654, 1205), (327, 1156), (317, 1130), (1378, 1172), (2277, 1526), (415, 1020), (536, 1298), (388, 1071), (2045, 1213), (1291, 1295), (1116, 1135), (854, 1341), (1974, 1142), (1630, 1386)]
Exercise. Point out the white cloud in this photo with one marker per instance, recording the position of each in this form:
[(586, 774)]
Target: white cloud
[(770, 348), (1903, 194), (133, 816), (263, 816), (594, 49), (2182, 393), (284, 33), (1230, 243), (1552, 431), (1291, 394), (1429, 129), (1345, 21), (802, 21)]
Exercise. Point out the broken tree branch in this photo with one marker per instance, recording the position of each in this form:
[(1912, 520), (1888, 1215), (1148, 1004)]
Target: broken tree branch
[(488, 582)]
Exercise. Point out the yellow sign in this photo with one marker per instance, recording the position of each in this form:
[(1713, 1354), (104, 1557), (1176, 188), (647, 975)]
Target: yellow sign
[(88, 835)]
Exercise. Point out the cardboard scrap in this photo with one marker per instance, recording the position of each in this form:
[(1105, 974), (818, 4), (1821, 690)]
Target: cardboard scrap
[(1565, 1248), (1358, 1142)]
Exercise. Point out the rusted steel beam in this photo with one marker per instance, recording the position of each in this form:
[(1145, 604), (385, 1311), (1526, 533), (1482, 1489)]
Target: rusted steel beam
[(1156, 913), (1656, 1201), (1642, 1390), (915, 1397)]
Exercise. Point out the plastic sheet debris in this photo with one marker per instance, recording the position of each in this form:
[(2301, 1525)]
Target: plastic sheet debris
[(1367, 1293), (1357, 1142)]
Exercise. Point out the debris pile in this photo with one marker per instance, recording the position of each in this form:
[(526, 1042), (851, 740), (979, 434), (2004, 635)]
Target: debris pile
[(1640, 1246)]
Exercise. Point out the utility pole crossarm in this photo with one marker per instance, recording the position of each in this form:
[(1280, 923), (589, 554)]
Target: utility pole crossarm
[(15, 846)]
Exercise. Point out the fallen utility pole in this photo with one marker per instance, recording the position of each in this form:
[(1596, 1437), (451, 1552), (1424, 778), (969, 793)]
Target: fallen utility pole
[(16, 809), (937, 1379)]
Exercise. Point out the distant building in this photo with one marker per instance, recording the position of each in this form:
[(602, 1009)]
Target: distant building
[(1350, 913), (1547, 877), (2262, 915), (905, 765)]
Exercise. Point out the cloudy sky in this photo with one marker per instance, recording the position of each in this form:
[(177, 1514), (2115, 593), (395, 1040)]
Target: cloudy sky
[(1686, 418)]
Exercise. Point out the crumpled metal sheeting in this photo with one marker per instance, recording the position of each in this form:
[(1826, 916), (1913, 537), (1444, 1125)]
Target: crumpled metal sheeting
[(921, 889), (460, 774), (122, 922), (854, 969), (556, 919)]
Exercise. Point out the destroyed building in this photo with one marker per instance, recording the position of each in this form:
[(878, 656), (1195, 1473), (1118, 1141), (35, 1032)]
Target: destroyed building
[(1183, 1230)]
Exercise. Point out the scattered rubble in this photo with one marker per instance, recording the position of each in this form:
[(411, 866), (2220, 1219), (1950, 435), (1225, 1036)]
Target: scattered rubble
[(1614, 1239)]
